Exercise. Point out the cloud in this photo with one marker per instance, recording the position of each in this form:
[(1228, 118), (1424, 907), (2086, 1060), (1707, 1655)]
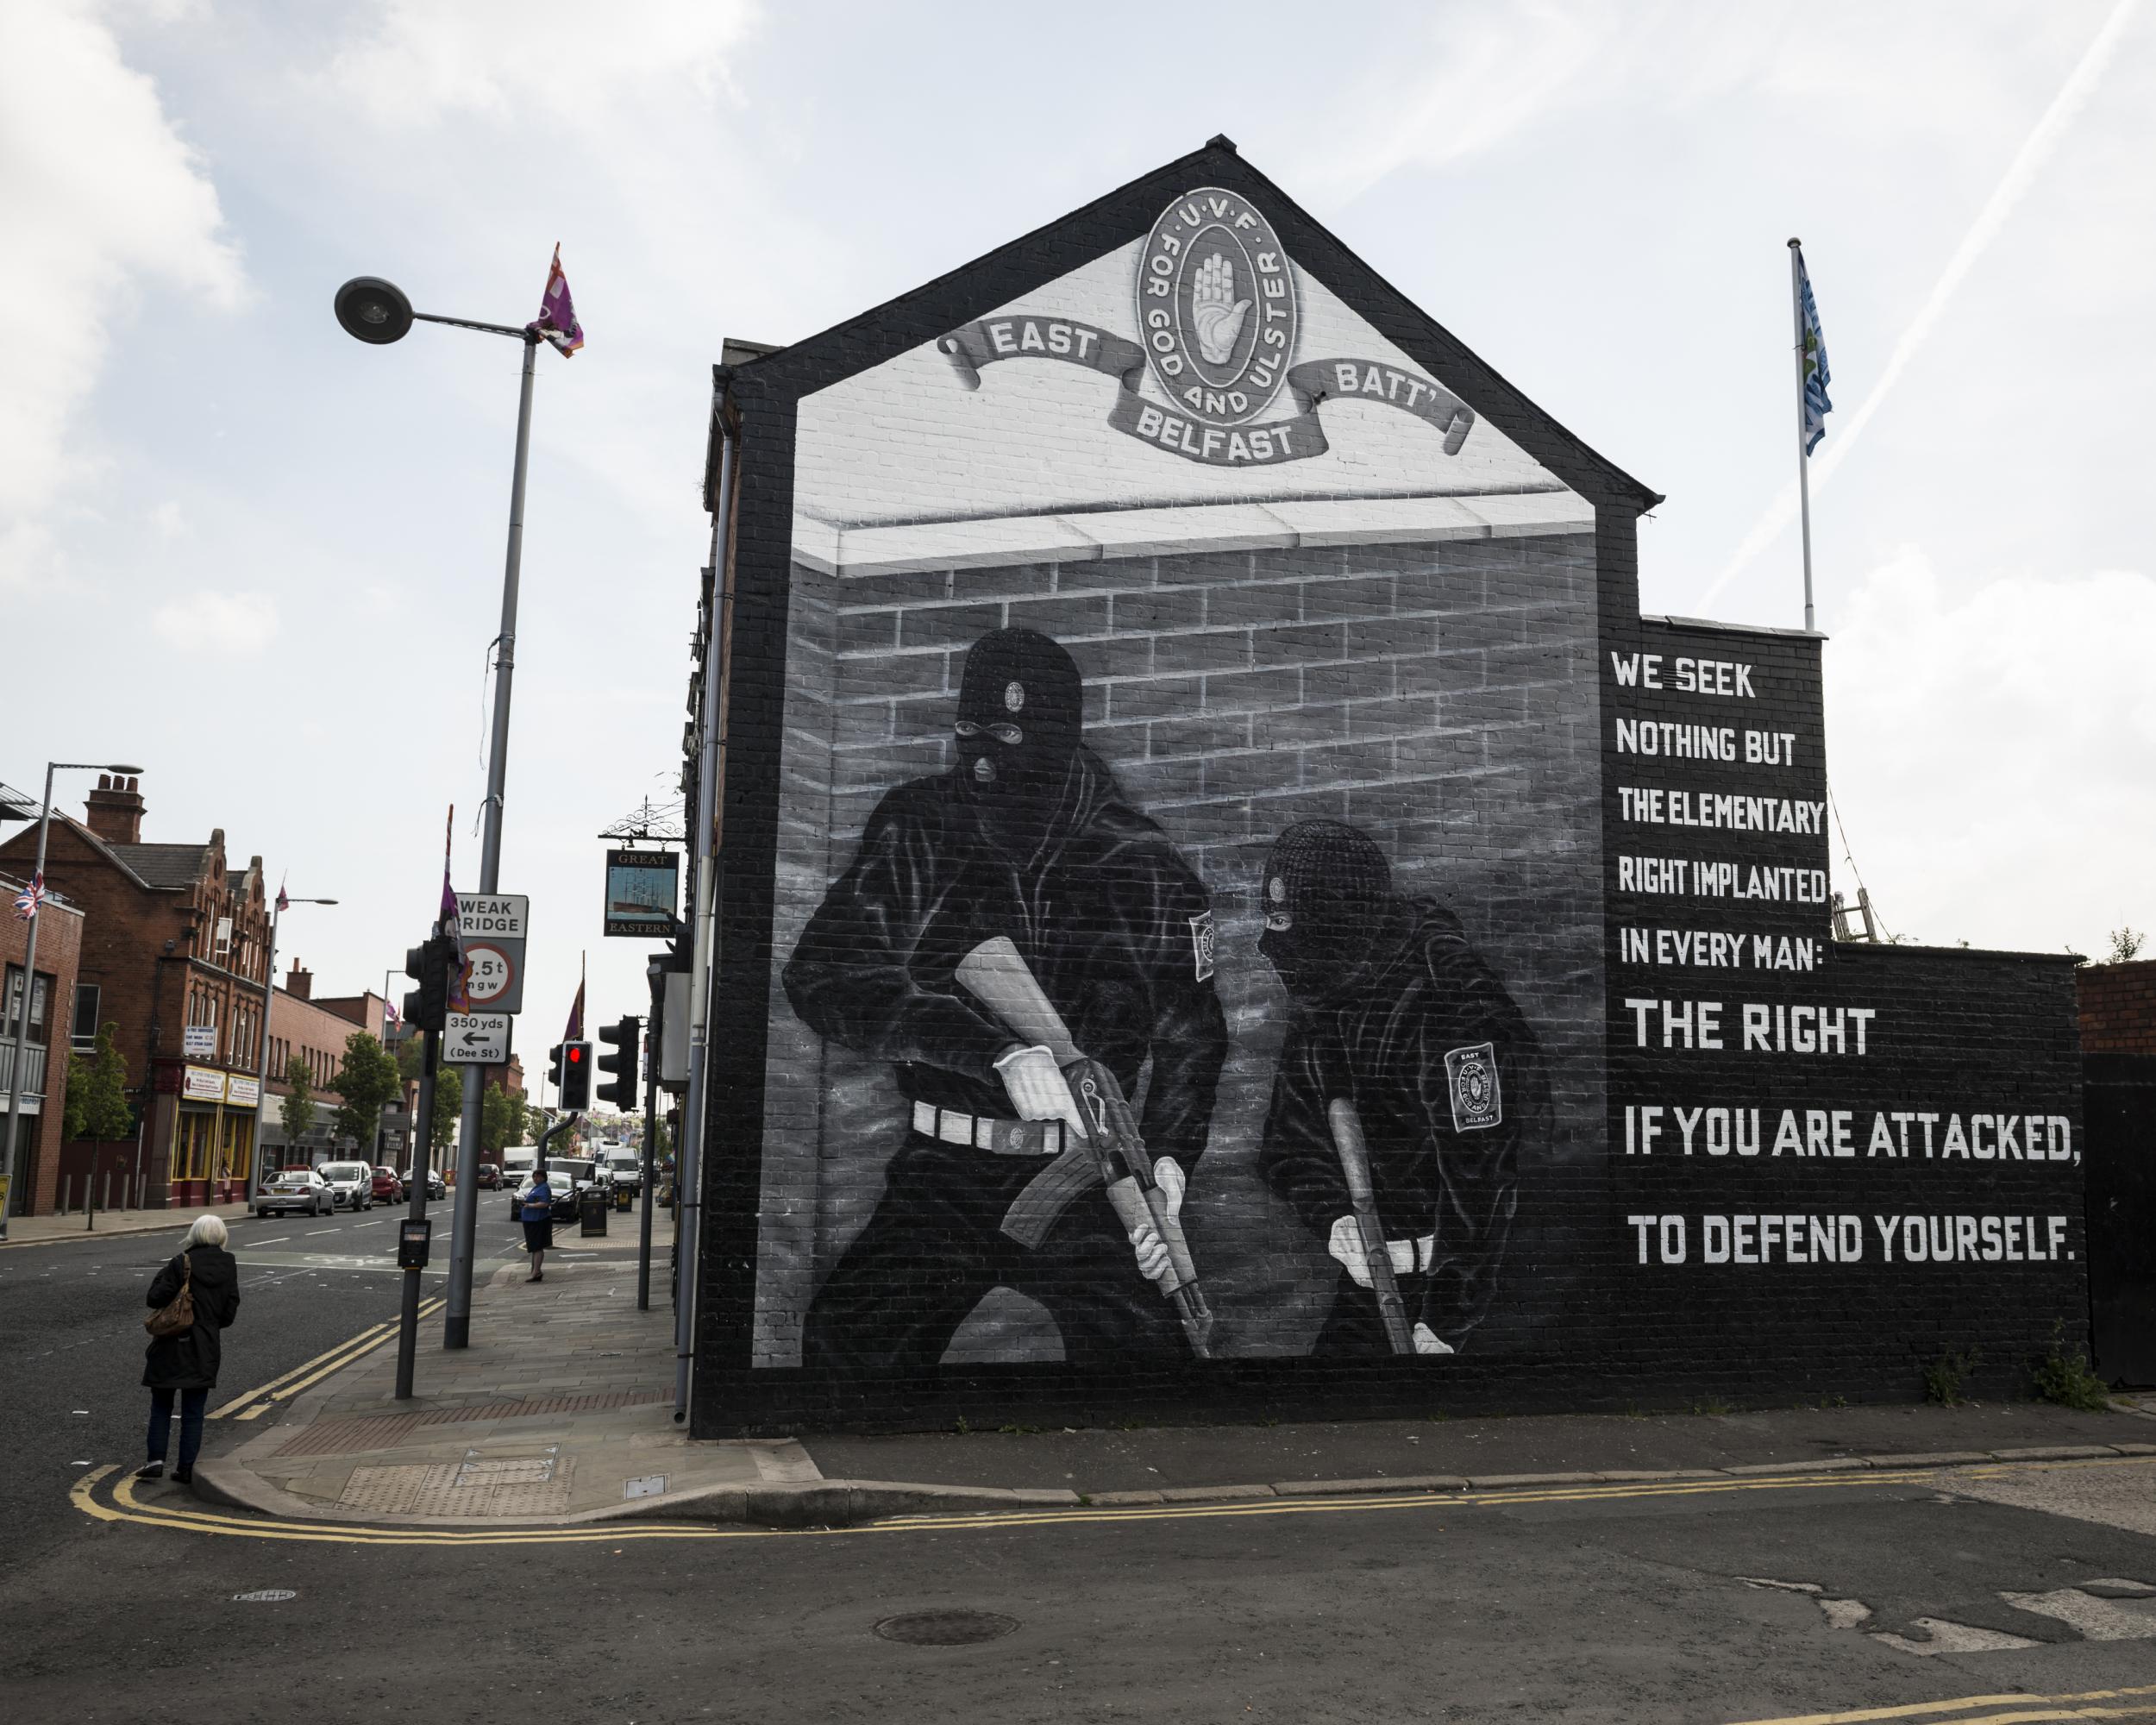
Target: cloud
[(1991, 752), (103, 203), (2036, 151), (422, 61), (239, 625)]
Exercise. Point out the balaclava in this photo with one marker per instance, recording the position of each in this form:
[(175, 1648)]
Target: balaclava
[(1020, 710), (1326, 889)]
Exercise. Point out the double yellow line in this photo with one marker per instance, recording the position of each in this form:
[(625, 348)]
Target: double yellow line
[(1992, 1710), (259, 1401)]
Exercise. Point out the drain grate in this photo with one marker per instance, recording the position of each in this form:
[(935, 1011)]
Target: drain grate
[(266, 1595), (946, 1628)]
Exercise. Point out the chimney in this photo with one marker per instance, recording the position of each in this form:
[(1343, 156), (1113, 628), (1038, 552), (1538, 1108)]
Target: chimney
[(116, 810), (299, 982)]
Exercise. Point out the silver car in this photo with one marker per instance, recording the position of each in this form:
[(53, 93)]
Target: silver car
[(351, 1184), (303, 1189)]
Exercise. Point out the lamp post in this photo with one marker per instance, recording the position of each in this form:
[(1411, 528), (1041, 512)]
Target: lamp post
[(262, 1042), (30, 984), (377, 312)]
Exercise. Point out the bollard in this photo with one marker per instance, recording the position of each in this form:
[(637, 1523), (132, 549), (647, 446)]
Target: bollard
[(67, 1191)]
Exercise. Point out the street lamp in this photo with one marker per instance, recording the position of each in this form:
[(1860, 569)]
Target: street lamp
[(262, 1038), (377, 312), (35, 894)]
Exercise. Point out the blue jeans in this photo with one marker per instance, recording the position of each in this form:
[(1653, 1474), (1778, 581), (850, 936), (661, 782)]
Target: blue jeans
[(191, 1404)]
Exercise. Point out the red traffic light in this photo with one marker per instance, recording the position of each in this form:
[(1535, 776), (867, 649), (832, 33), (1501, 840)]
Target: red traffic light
[(574, 1052)]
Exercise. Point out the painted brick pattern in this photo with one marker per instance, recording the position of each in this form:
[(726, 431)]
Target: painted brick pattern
[(1439, 696)]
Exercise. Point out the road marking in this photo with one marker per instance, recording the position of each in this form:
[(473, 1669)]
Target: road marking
[(1960, 1710), (126, 1508), (274, 1239), (312, 1232), (376, 1223), (278, 1389)]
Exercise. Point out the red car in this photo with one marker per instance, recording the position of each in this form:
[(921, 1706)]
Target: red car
[(388, 1189), (489, 1177)]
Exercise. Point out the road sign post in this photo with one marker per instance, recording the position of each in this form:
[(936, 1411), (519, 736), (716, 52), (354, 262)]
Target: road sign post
[(492, 926)]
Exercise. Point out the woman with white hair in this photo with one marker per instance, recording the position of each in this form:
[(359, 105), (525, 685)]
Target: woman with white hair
[(183, 1359)]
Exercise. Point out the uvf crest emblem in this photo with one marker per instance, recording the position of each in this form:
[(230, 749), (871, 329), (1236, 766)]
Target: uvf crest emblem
[(1216, 305)]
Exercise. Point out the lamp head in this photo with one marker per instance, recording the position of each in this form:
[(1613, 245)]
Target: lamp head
[(374, 311), (133, 772)]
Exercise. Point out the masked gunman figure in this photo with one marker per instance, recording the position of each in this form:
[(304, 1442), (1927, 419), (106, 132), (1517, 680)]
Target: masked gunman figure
[(1028, 838), (1406, 1054)]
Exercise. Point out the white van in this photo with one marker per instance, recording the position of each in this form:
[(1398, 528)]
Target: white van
[(518, 1161)]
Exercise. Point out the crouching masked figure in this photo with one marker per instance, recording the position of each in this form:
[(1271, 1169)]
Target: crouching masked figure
[(1397, 1018), (1029, 839)]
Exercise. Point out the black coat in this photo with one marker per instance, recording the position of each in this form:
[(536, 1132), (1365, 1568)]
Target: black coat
[(1444, 1160), (1116, 927), (190, 1360)]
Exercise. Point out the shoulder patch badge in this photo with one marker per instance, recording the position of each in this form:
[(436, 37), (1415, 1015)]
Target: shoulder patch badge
[(1201, 943), (1471, 1075)]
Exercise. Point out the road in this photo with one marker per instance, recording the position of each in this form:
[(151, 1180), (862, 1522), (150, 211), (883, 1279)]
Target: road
[(1734, 1600), (72, 1339)]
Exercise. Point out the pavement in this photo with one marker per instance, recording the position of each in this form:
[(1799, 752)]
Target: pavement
[(37, 1230), (562, 1413)]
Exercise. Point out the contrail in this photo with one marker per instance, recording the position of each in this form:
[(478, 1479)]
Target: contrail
[(2027, 162)]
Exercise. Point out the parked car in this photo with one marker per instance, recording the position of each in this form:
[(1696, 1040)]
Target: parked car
[(487, 1178), (389, 1186), (436, 1186), (303, 1189), (351, 1185)]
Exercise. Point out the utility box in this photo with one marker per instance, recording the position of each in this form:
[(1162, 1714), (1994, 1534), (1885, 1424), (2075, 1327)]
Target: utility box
[(673, 1034)]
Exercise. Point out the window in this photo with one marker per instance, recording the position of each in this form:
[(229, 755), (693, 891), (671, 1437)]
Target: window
[(191, 1145), (83, 1035), (38, 1000)]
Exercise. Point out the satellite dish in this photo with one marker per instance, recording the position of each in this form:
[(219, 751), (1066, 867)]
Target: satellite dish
[(374, 311)]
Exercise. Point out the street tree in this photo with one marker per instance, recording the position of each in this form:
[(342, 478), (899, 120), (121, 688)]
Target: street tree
[(297, 1111), (367, 1082), (501, 1119), (98, 1093), (448, 1109)]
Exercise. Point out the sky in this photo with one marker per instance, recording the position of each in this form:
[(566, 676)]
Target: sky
[(264, 560)]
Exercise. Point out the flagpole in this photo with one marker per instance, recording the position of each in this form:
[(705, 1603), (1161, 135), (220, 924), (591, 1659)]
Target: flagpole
[(1803, 456)]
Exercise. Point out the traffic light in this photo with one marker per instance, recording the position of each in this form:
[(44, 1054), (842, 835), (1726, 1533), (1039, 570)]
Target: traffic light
[(622, 1036), (576, 1075), (553, 1065), (427, 1006)]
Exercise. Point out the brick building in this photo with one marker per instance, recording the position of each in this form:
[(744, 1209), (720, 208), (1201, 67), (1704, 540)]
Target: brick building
[(37, 1175), (2118, 1007), (315, 1032), (1263, 563), (174, 946)]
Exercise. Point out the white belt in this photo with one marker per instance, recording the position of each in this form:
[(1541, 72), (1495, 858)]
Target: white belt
[(982, 1131)]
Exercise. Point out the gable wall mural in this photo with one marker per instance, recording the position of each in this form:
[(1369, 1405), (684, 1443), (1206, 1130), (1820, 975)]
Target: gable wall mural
[(1198, 956)]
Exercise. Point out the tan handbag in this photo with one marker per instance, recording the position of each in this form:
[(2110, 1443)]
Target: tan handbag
[(177, 1316)]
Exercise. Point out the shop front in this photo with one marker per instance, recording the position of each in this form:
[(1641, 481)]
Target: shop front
[(212, 1137)]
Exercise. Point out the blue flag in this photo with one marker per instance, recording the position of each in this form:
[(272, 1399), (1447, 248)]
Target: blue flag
[(1816, 376)]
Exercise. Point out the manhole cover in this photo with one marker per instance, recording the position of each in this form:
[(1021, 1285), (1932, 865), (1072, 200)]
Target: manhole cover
[(946, 1628), (266, 1596)]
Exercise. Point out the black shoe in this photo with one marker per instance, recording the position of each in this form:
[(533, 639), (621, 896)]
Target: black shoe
[(183, 1475), (154, 1470)]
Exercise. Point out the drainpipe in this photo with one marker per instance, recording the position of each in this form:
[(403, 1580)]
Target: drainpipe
[(688, 1177)]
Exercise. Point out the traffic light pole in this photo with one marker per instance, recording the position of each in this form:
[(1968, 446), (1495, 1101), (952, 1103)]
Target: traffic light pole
[(456, 1323), (408, 1319), (651, 1134)]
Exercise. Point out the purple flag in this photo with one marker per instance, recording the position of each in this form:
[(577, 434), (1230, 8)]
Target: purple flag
[(556, 321)]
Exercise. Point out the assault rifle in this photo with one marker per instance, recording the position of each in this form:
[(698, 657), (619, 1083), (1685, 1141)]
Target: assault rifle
[(1355, 1164), (1111, 1151)]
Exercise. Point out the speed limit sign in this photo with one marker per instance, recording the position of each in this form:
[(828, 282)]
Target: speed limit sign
[(492, 927)]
